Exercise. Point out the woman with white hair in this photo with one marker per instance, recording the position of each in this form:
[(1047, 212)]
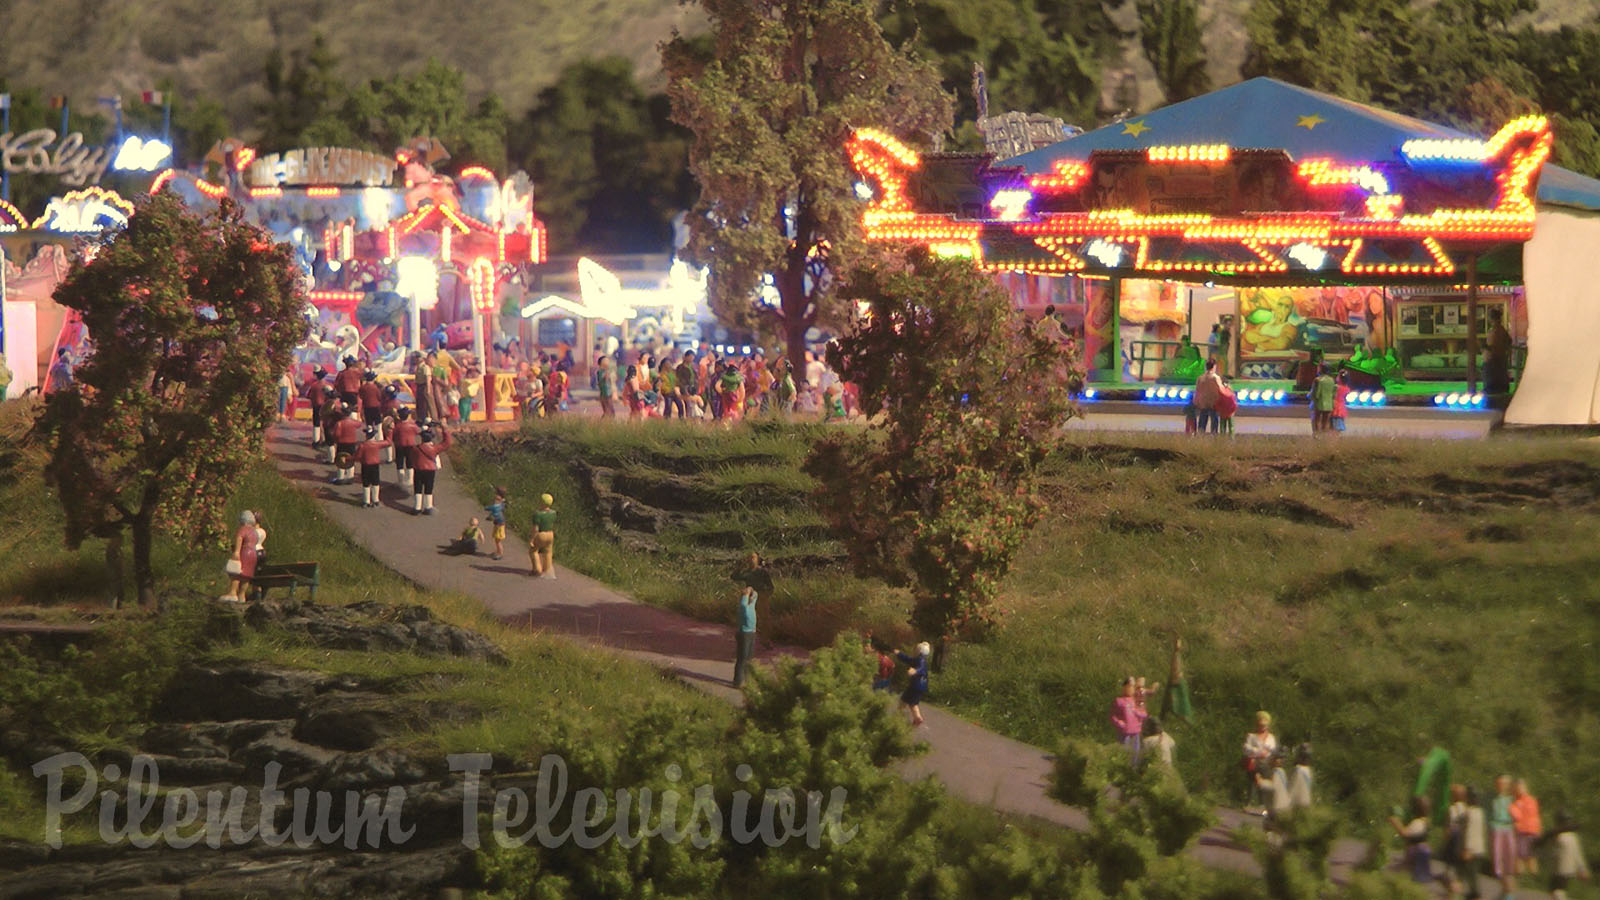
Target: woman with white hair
[(918, 688), (241, 565)]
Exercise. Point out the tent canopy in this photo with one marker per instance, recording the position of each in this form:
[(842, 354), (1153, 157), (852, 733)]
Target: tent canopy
[(1266, 114)]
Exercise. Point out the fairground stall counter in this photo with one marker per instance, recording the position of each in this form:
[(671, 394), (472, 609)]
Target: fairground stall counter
[(1279, 229)]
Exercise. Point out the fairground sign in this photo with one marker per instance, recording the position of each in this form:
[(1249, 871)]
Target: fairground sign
[(31, 153), (322, 165)]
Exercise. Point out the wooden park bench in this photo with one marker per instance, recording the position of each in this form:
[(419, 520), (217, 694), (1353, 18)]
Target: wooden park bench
[(284, 575)]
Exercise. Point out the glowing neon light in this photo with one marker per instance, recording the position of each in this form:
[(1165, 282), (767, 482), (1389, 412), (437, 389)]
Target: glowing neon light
[(1472, 149), (1191, 153), (480, 279), (162, 180), (214, 191), (243, 157), (1307, 255), (266, 192), (139, 155), (477, 172), (1010, 204), (13, 217), (322, 190), (1109, 255), (1324, 173)]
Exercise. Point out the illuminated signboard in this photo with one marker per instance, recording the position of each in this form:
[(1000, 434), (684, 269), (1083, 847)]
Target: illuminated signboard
[(322, 166)]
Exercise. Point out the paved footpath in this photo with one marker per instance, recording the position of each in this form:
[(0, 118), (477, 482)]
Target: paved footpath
[(973, 763)]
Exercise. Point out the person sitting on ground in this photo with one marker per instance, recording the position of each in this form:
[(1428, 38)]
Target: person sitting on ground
[(467, 544)]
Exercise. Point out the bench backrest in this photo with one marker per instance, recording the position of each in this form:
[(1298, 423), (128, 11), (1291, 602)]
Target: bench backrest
[(303, 570)]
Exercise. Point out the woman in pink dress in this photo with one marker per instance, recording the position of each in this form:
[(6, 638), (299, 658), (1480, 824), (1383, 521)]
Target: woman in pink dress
[(242, 564)]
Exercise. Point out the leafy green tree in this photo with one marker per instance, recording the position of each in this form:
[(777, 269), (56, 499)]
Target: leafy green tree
[(1044, 56), (610, 166), (192, 319), (383, 114), (943, 495), (301, 89), (1172, 37), (785, 84), (1136, 813)]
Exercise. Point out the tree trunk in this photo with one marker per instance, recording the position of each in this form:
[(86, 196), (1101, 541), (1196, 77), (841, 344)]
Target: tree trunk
[(114, 568), (793, 300), (144, 577)]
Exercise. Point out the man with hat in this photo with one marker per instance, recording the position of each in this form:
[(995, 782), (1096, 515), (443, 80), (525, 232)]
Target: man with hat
[(371, 394), (370, 455), (311, 392), (348, 381), (425, 459), (407, 434), (346, 435)]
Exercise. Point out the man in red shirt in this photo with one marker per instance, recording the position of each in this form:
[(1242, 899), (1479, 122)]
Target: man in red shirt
[(370, 453), (348, 381), (346, 434), (371, 400), (311, 391), (435, 441), (332, 410), (406, 436)]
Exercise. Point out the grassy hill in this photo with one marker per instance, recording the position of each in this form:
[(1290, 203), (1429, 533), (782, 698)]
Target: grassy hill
[(1380, 597), (87, 48)]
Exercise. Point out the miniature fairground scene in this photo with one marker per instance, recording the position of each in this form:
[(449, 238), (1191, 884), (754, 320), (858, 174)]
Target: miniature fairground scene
[(959, 449)]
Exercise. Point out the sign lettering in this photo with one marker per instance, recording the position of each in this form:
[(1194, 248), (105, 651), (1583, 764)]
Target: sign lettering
[(322, 165), (30, 153)]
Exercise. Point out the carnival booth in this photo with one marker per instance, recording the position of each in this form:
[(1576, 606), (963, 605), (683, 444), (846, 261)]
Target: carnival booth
[(418, 262), (1306, 228)]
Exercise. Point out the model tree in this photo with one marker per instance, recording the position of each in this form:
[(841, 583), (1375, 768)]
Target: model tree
[(771, 102), (192, 317), (942, 496), (1172, 36)]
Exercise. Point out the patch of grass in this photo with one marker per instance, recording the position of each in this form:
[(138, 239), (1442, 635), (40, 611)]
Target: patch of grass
[(751, 480), (99, 697), (1380, 597)]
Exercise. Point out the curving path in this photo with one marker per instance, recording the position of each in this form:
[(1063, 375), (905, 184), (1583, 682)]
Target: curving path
[(973, 763)]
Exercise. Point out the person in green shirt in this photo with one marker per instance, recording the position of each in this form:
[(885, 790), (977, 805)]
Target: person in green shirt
[(606, 383), (786, 390), (5, 378), (1323, 391), (541, 547), (667, 386)]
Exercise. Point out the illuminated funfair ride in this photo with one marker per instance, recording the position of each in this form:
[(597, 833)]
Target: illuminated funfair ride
[(1251, 204)]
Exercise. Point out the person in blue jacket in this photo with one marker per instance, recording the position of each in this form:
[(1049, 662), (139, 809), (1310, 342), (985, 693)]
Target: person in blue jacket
[(918, 688)]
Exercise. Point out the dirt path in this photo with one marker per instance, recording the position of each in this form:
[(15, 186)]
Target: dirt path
[(973, 763)]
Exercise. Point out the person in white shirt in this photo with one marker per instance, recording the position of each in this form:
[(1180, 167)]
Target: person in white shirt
[(1157, 743), (1570, 862), (1274, 782), (1419, 856), (1300, 779), (1466, 845), (1259, 747)]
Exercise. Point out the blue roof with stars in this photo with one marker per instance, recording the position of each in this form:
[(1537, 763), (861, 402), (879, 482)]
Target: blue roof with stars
[(1266, 114)]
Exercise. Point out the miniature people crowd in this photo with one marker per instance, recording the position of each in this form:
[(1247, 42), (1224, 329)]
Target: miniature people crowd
[(708, 385)]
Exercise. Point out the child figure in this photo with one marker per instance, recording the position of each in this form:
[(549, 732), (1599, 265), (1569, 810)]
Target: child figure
[(1503, 835), (1570, 862), (467, 544), (1274, 784), (497, 518), (1415, 832), (1300, 779), (1157, 741), (1128, 715), (1227, 405), (1466, 844), (1341, 396), (1525, 819)]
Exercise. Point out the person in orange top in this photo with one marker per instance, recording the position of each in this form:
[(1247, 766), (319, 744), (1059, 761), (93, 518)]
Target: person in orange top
[(425, 458), (370, 453), (1525, 818)]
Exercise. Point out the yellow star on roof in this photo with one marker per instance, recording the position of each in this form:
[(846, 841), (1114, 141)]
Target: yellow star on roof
[(1310, 122), (1135, 128)]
